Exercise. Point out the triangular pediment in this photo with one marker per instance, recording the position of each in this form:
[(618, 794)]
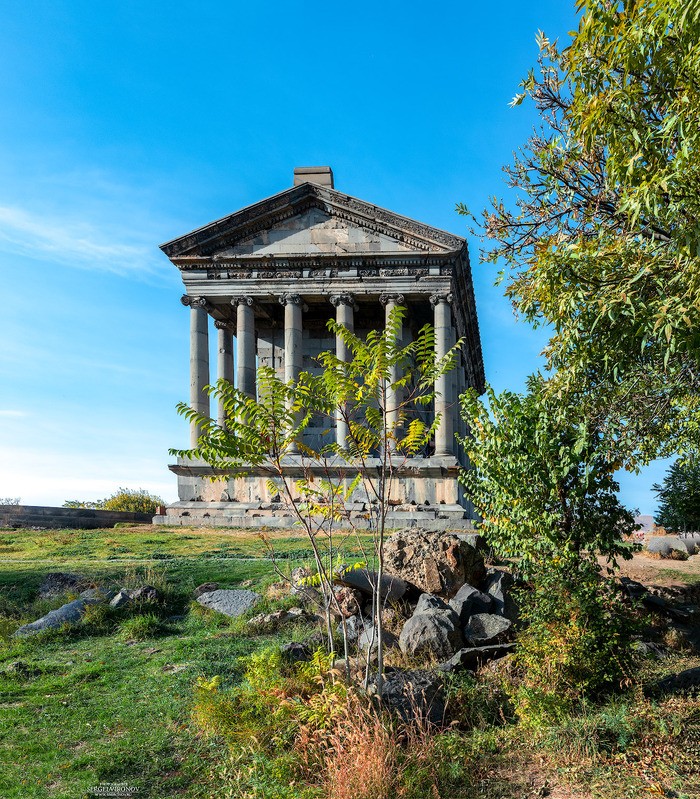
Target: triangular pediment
[(311, 220)]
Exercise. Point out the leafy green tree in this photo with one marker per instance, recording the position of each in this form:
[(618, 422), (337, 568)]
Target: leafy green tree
[(679, 497), (604, 242), (124, 499), (382, 412), (542, 480)]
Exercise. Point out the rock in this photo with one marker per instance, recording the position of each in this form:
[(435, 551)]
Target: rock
[(21, 670), (474, 657), (297, 578), (276, 619), (683, 682), (121, 598), (145, 593), (205, 588), (487, 628), (349, 601), (434, 562), (70, 613), (96, 593), (429, 602), (57, 584), (295, 652), (665, 544), (433, 633), (498, 585), (367, 639), (354, 627), (469, 600), (650, 649), (416, 695), (230, 602), (391, 588)]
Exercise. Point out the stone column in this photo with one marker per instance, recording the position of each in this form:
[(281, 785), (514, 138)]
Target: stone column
[(199, 360), (224, 362), (393, 398), (292, 341), (444, 436), (245, 345), (344, 315)]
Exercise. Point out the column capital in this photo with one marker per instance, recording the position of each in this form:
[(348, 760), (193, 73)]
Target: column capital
[(241, 300), (289, 298), (195, 302), (342, 299), (441, 297), (397, 299), (223, 324)]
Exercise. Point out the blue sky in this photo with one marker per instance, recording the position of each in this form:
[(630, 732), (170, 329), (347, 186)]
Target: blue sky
[(127, 124)]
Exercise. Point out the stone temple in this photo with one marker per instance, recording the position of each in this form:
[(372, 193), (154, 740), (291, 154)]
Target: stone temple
[(269, 277)]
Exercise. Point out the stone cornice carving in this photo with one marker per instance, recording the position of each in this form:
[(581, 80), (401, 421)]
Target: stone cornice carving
[(293, 299), (397, 299), (195, 302), (241, 300), (440, 297), (342, 299), (292, 202)]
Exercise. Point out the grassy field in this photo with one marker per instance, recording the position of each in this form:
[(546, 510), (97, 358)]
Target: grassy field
[(91, 705)]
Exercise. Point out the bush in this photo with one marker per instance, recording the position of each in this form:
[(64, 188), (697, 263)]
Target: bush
[(577, 642), (125, 499), (138, 628)]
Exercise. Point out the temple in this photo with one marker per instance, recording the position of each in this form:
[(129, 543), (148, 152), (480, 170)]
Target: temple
[(267, 278)]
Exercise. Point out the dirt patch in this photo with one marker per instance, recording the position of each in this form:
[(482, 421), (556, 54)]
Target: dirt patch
[(661, 572)]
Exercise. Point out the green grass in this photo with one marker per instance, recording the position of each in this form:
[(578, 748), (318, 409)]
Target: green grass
[(110, 700)]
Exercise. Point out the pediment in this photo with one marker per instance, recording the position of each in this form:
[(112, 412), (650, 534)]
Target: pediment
[(311, 220)]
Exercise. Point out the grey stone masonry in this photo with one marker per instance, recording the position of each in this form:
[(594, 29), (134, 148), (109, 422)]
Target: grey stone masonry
[(275, 273)]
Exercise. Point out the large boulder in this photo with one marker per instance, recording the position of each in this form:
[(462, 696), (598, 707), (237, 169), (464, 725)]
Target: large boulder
[(70, 613), (230, 602), (435, 562), (415, 695), (469, 600), (664, 545), (484, 629), (391, 588), (434, 633)]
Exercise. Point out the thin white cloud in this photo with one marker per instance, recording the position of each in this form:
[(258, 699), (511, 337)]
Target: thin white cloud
[(10, 413), (74, 242)]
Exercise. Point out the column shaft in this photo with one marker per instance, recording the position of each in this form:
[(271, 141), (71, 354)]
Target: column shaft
[(444, 436), (293, 356), (345, 316), (224, 363), (393, 396), (199, 361), (245, 345)]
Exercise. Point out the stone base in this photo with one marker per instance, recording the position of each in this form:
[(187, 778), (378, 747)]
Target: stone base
[(238, 514), (425, 492)]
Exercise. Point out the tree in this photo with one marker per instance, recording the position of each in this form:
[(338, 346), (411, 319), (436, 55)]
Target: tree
[(679, 497), (604, 244), (124, 499), (542, 480), (382, 414)]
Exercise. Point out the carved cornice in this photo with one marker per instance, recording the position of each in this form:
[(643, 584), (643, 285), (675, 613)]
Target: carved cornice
[(292, 202), (441, 297), (195, 302), (291, 299), (224, 324), (397, 299)]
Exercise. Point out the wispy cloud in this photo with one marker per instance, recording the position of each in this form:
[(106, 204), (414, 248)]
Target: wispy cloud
[(11, 413), (71, 241)]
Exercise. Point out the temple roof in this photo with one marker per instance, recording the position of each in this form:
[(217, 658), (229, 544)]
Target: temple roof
[(310, 220)]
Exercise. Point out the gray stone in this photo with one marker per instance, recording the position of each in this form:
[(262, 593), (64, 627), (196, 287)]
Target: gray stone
[(57, 584), (434, 562), (230, 602), (428, 602), (100, 594), (486, 628), (367, 638), (469, 600), (473, 657), (121, 598), (498, 585), (665, 544), (354, 627), (205, 588), (349, 601), (145, 593), (431, 634), (70, 613), (391, 588), (416, 695), (295, 652)]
